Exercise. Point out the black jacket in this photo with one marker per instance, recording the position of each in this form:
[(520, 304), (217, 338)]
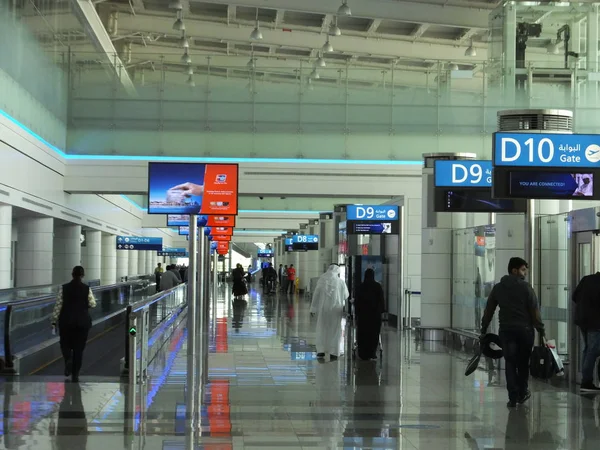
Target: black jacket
[(75, 306), (518, 305), (587, 303)]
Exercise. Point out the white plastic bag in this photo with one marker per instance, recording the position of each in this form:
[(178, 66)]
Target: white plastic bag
[(557, 362)]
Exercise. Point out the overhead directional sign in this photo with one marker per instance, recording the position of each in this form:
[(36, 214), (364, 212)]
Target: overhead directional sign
[(304, 242), (463, 173), (139, 243), (289, 243), (372, 212), (546, 150)]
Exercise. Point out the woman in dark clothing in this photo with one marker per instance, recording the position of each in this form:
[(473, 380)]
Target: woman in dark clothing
[(71, 312), (239, 287), (369, 305)]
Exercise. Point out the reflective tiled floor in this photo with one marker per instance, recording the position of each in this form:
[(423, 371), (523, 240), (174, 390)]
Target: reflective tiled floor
[(266, 391)]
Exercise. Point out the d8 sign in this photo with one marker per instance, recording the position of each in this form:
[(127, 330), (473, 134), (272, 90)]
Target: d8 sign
[(547, 150)]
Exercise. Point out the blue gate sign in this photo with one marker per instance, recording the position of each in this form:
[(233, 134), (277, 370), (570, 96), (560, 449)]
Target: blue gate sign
[(139, 243), (372, 212), (464, 173), (547, 150)]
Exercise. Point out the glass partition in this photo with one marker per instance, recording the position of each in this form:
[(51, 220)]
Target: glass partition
[(553, 277), (474, 267)]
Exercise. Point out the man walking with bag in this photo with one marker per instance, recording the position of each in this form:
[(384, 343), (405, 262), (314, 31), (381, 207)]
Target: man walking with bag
[(587, 318), (519, 316)]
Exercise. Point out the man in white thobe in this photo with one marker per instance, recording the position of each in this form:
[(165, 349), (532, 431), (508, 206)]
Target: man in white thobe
[(328, 304)]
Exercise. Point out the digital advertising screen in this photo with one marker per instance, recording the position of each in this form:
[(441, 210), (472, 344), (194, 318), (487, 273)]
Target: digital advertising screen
[(192, 188), (551, 185), (183, 220), (289, 245), (221, 221), (475, 200), (221, 231), (305, 242)]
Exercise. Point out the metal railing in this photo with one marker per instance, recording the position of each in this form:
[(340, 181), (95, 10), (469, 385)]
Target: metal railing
[(26, 324), (146, 334)]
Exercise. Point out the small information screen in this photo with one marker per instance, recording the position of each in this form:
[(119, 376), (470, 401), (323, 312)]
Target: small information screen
[(553, 185)]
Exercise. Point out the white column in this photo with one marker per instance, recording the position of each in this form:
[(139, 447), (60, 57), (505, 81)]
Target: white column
[(123, 264), (67, 252), (34, 251), (91, 255), (5, 246), (591, 44), (141, 262), (133, 268), (149, 262), (109, 259)]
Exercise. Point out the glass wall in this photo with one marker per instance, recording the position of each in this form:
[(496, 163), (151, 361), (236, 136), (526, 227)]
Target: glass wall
[(473, 271)]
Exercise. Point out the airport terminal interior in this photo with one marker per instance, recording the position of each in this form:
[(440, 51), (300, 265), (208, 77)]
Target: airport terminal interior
[(230, 174)]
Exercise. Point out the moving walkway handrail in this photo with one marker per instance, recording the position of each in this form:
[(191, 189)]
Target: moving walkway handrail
[(36, 301)]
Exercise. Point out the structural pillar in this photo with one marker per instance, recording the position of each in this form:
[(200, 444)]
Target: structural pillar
[(91, 255), (67, 252), (5, 246), (133, 258), (509, 46), (141, 262), (34, 251), (123, 264), (109, 259), (592, 52), (436, 254), (149, 262)]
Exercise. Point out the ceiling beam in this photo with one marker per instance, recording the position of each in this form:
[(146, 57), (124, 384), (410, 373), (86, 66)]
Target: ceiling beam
[(231, 14), (400, 10), (299, 39), (467, 35), (372, 28), (419, 31), (279, 18), (137, 6), (86, 13)]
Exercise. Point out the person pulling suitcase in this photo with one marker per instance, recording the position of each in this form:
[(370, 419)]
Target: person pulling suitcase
[(519, 316)]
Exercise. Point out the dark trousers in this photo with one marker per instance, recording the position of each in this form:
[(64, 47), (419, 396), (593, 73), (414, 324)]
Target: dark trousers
[(72, 345), (591, 353), (516, 346), (291, 285)]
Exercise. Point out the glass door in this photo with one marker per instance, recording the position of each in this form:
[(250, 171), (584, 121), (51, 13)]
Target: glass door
[(584, 262)]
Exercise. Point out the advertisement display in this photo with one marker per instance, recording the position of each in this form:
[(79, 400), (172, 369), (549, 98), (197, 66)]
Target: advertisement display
[(373, 227), (184, 231), (289, 245), (183, 220), (221, 221), (554, 185), (475, 200), (221, 231), (192, 188), (139, 243), (305, 242), (463, 173), (546, 150), (220, 238), (221, 247)]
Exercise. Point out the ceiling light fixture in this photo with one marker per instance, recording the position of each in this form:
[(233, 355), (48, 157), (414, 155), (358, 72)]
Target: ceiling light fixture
[(186, 58), (179, 25), (344, 9), (453, 67), (334, 30), (184, 41), (471, 51), (552, 48), (189, 70), (256, 34), (190, 81), (315, 75), (320, 61), (327, 47)]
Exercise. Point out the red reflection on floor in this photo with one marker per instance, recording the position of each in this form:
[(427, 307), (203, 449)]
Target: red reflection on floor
[(219, 410), (221, 343)]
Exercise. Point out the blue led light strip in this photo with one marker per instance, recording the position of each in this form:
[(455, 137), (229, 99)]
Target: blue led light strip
[(68, 156)]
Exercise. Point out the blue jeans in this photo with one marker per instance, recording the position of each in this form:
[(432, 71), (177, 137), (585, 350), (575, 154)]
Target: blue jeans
[(516, 346), (591, 352)]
